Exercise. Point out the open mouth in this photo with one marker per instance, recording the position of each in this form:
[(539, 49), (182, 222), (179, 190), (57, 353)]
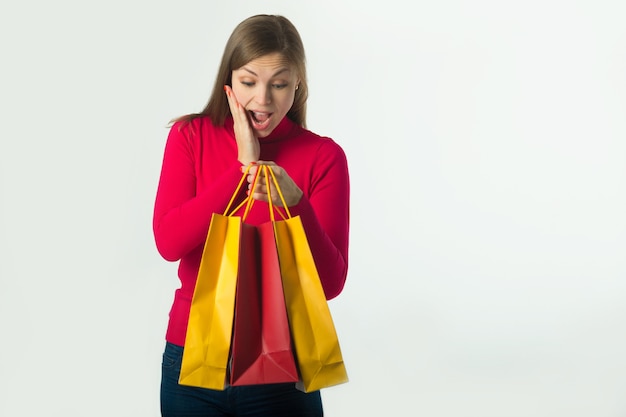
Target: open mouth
[(260, 119)]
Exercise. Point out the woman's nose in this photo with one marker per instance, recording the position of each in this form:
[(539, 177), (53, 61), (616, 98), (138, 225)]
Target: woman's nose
[(264, 96)]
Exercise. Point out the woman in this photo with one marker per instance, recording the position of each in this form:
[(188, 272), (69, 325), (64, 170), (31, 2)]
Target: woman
[(255, 116)]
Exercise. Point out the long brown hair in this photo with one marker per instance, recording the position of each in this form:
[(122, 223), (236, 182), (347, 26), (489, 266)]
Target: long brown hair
[(253, 38)]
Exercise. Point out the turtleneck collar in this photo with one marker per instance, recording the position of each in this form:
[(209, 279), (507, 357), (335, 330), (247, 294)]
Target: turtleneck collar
[(282, 131)]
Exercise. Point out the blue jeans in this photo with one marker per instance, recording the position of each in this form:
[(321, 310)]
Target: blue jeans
[(274, 400)]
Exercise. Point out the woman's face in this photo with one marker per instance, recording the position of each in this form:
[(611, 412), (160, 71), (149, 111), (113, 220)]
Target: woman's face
[(265, 87)]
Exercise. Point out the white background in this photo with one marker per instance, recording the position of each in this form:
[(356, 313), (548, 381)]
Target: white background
[(487, 149)]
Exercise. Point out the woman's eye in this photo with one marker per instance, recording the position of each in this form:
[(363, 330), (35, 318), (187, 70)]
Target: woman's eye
[(275, 86)]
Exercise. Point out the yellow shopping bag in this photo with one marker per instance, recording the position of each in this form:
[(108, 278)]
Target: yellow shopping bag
[(209, 330), (318, 354)]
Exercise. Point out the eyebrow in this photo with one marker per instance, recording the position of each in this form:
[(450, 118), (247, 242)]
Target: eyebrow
[(280, 71)]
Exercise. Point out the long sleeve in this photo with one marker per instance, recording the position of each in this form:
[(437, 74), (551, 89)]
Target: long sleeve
[(181, 215), (199, 174), (325, 215)]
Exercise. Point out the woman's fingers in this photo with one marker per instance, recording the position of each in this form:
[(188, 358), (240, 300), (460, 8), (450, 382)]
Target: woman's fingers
[(248, 148), (235, 108), (259, 189)]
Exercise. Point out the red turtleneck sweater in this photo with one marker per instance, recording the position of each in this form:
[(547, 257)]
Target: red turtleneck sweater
[(199, 174)]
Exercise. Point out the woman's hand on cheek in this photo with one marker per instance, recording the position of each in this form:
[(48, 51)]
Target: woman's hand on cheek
[(248, 146)]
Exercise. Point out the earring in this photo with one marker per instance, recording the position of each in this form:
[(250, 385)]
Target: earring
[(297, 86)]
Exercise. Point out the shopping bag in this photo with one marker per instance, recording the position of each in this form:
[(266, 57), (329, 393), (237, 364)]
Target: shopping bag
[(209, 330), (207, 342), (261, 347), (313, 332)]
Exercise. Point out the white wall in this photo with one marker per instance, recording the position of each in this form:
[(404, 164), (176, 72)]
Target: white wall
[(487, 147)]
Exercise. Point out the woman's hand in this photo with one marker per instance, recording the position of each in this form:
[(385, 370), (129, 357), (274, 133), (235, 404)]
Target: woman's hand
[(291, 192), (248, 146)]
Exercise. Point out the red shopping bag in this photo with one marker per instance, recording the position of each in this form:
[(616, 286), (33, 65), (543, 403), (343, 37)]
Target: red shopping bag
[(262, 351)]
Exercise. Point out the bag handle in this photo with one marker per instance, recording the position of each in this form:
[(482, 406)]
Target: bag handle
[(280, 194), (249, 200), (268, 173), (237, 189)]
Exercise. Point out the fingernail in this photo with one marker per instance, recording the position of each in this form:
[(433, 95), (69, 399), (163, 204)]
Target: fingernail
[(225, 88)]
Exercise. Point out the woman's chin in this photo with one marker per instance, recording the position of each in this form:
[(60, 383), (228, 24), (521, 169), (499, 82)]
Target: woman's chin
[(261, 133)]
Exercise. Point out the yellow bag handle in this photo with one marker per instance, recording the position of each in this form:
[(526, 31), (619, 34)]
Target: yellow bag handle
[(249, 201), (280, 194), (230, 203)]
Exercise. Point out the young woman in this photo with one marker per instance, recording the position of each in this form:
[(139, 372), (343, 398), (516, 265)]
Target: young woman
[(255, 116)]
